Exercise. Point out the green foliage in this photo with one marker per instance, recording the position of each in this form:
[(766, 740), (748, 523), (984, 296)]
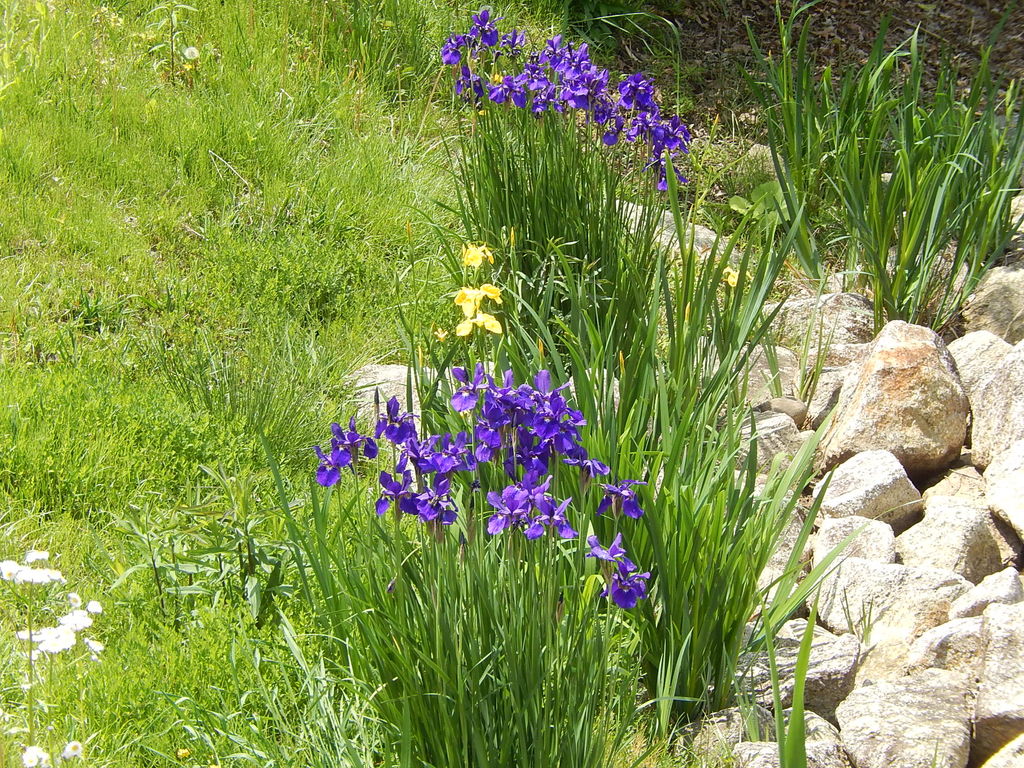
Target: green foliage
[(911, 191)]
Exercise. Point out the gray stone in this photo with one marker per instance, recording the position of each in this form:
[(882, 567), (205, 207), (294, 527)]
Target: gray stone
[(955, 645), (874, 540), (1005, 481), (955, 535), (828, 320), (767, 378), (720, 731), (964, 482), (1010, 756), (999, 709), (908, 723), (904, 397), (826, 394), (884, 600), (997, 304), (776, 435), (701, 239), (1002, 587), (830, 672), (795, 409), (824, 747), (998, 409), (977, 354), (871, 484), (783, 553), (389, 380)]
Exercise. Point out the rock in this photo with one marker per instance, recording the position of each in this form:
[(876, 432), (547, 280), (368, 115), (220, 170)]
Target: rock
[(776, 435), (999, 709), (1002, 587), (977, 354), (822, 741), (826, 394), (1010, 756), (700, 238), (964, 482), (390, 381), (997, 304), (779, 561), (955, 645), (887, 600), (830, 319), (720, 731), (904, 397), (908, 723), (874, 540), (998, 409), (1005, 481), (830, 672), (841, 354), (795, 409), (763, 382), (871, 484), (955, 535)]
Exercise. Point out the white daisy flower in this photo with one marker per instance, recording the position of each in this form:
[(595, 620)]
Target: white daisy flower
[(94, 607), (54, 640), (35, 757), (74, 599), (76, 621), (72, 750), (35, 555), (38, 576), (94, 645), (9, 569)]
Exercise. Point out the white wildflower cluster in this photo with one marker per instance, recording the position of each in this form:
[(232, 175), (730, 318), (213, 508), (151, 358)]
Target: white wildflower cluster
[(49, 640), (27, 574)]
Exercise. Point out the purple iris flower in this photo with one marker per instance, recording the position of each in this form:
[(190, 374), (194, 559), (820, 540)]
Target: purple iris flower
[(637, 92), (553, 516), (354, 442), (627, 587), (396, 427), (511, 508), (621, 498), (612, 554), (484, 28), (396, 489), (488, 443), (469, 85), (435, 503), (588, 467), (467, 396), (331, 464), (451, 51), (512, 42)]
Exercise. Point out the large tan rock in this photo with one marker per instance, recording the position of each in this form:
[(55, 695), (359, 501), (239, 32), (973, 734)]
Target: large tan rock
[(771, 372), (998, 409), (872, 540), (1004, 480), (822, 742), (830, 671), (977, 354), (908, 723), (906, 398), (998, 304), (871, 484), (833, 320), (955, 535), (382, 382), (887, 600), (955, 645), (963, 481), (999, 710), (1002, 587), (1010, 756)]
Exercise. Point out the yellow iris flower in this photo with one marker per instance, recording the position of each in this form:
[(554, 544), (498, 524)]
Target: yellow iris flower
[(469, 299), (474, 254), (730, 276), (482, 320)]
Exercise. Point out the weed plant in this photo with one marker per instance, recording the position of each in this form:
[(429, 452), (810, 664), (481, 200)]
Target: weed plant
[(913, 189)]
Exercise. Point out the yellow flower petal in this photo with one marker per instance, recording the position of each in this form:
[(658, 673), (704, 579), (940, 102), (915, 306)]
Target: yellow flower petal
[(440, 334), (464, 328), (489, 322), (491, 292)]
